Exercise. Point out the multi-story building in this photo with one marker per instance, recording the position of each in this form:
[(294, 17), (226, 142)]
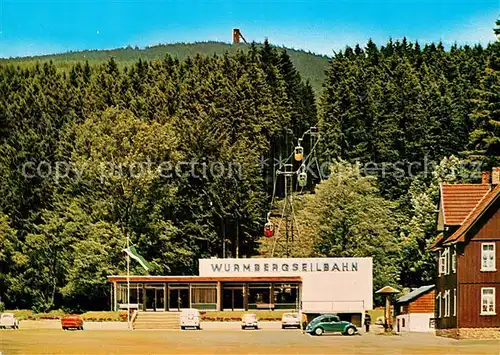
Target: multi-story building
[(467, 259)]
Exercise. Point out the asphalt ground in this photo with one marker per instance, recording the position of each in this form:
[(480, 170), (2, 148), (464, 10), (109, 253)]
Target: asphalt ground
[(225, 338)]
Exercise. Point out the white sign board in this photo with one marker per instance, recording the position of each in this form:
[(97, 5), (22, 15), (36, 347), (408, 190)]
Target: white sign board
[(328, 284)]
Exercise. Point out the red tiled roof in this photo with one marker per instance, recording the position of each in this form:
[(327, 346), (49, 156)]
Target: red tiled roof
[(458, 201), (459, 235)]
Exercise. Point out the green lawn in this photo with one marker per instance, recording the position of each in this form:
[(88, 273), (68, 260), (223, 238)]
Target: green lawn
[(25, 314)]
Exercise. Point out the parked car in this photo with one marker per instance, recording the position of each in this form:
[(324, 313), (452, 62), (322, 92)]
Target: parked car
[(190, 318), (291, 320), (249, 321), (72, 321), (330, 323), (8, 320)]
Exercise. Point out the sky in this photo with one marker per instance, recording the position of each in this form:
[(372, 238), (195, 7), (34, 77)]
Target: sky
[(32, 27)]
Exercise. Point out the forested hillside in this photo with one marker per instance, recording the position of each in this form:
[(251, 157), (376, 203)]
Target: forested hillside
[(165, 152), (413, 117), (311, 66), (178, 155)]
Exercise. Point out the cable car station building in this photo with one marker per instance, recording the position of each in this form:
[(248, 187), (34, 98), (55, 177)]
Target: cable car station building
[(312, 285)]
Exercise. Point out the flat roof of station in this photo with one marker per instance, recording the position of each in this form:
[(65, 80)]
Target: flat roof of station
[(152, 279)]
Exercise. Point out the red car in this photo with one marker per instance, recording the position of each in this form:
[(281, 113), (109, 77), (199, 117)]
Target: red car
[(72, 321)]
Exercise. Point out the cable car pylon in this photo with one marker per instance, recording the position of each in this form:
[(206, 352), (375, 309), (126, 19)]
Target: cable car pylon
[(288, 220)]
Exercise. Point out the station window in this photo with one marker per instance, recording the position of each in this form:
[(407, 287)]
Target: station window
[(135, 293), (204, 296), (233, 296), (286, 296), (259, 296)]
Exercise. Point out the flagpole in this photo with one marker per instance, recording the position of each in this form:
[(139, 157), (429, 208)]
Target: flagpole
[(128, 285)]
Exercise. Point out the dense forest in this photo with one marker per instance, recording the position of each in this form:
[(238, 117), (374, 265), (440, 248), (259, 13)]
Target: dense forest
[(178, 155), (87, 159), (310, 66)]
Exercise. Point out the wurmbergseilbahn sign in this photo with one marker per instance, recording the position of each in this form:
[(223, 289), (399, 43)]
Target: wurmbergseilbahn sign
[(328, 284), (282, 266)]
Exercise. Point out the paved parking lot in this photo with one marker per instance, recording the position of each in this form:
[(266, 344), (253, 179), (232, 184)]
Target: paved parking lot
[(227, 338)]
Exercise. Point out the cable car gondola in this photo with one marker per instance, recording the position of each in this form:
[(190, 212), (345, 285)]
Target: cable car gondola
[(302, 179), (269, 229), (298, 153)]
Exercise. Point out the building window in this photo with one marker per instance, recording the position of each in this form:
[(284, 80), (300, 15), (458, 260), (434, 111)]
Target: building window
[(259, 296), (403, 323), (446, 303), (438, 304), (488, 257), (233, 296), (444, 265), (454, 261), (454, 302), (286, 296), (488, 301), (204, 296)]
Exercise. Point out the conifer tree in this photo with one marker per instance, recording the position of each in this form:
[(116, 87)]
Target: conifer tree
[(484, 141)]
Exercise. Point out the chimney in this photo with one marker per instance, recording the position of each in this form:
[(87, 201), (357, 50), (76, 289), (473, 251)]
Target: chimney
[(486, 177), (495, 176)]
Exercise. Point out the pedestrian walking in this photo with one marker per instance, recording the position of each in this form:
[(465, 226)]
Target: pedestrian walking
[(304, 322), (368, 321)]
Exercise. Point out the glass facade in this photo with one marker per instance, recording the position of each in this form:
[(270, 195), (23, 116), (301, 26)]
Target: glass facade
[(259, 296), (178, 296), (204, 296), (286, 296), (135, 293), (162, 296), (233, 296)]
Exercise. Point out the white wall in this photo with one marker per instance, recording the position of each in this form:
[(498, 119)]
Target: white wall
[(328, 284), (415, 322)]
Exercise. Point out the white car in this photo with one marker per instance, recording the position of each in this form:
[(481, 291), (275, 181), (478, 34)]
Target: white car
[(290, 320), (8, 320), (190, 318), (249, 321)]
